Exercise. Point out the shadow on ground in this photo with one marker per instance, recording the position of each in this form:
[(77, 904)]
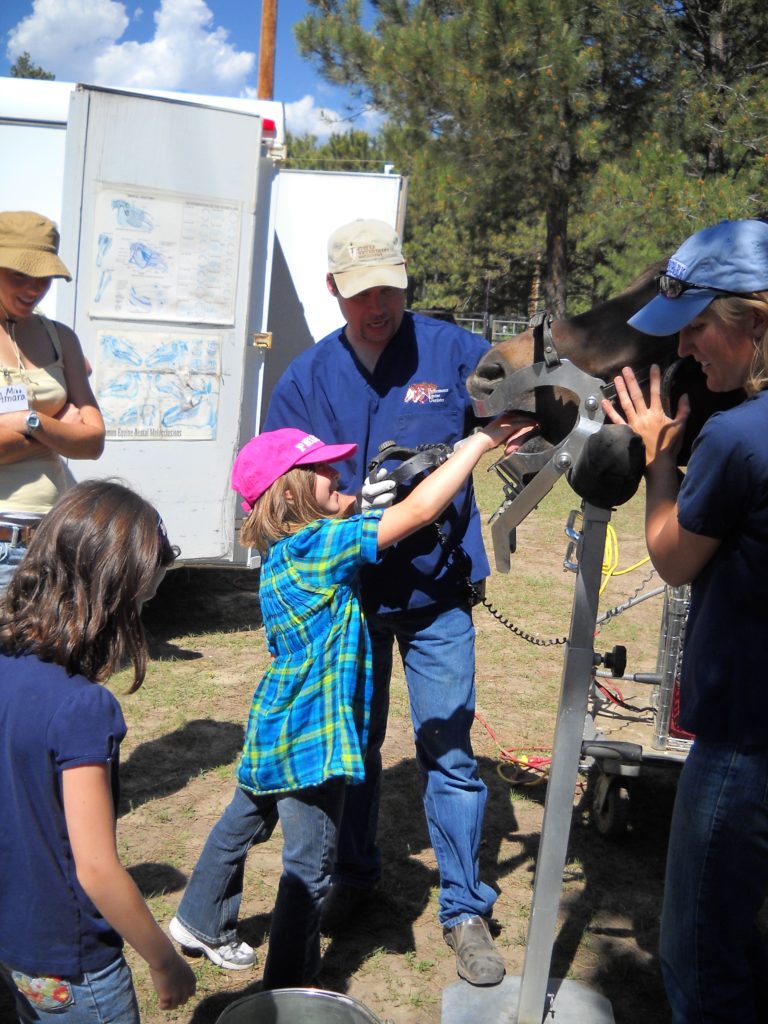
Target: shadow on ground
[(165, 765), (200, 601), (622, 882), (614, 911)]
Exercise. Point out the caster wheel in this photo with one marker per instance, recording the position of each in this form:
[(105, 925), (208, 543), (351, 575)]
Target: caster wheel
[(610, 806)]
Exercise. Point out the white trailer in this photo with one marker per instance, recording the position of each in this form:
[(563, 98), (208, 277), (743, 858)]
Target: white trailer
[(198, 265)]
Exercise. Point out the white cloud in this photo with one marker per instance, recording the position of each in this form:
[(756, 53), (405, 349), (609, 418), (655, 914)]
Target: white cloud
[(65, 36), (372, 121), (79, 41), (185, 53), (304, 118)]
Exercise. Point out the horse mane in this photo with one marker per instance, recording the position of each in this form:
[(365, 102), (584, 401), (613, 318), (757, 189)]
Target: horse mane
[(619, 308), (642, 279)]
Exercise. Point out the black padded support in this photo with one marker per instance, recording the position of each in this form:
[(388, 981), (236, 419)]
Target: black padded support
[(610, 466)]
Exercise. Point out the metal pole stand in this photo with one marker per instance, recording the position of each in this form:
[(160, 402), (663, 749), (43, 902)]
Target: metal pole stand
[(536, 996)]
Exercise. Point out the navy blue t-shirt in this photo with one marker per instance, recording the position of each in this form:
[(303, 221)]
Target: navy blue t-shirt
[(416, 395), (49, 722), (723, 689)]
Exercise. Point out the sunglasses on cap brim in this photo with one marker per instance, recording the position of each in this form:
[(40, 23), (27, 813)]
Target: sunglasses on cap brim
[(672, 287)]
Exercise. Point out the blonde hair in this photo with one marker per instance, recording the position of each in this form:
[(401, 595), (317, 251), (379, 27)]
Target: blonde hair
[(735, 309), (286, 507)]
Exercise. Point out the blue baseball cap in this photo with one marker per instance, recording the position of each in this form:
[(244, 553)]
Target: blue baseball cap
[(728, 258)]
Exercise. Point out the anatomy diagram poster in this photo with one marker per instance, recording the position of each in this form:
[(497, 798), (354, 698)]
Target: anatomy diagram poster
[(154, 386), (162, 256)]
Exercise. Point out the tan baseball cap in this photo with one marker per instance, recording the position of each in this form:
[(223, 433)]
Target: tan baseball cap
[(366, 254), (29, 243)]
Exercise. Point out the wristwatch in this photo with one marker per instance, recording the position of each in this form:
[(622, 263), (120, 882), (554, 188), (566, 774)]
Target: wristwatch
[(32, 423)]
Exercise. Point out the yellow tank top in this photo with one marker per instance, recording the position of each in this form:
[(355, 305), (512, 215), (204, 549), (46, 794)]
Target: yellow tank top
[(34, 484)]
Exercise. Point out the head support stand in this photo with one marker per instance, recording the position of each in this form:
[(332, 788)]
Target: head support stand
[(603, 463), (538, 995)]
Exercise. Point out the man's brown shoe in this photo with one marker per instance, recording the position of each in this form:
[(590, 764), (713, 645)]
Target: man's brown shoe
[(477, 960)]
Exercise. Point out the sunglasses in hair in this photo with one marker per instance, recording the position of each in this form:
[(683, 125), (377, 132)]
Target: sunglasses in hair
[(168, 551), (672, 287)]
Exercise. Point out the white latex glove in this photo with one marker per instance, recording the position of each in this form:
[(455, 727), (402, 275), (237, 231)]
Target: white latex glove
[(376, 492)]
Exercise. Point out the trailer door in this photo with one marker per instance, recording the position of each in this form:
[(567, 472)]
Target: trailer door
[(170, 244)]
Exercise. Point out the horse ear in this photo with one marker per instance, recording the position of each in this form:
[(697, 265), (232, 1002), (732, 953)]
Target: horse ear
[(610, 466)]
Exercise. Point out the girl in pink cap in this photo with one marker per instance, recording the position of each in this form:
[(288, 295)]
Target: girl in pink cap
[(307, 731)]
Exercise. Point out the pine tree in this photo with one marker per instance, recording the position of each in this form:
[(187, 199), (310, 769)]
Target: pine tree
[(23, 67)]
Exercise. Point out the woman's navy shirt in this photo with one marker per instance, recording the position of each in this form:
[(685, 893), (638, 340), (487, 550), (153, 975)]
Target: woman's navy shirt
[(724, 689)]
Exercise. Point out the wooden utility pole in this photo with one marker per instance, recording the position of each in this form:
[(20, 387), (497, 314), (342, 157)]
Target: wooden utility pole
[(266, 86)]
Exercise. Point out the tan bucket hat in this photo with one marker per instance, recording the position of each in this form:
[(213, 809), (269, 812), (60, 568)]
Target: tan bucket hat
[(29, 243)]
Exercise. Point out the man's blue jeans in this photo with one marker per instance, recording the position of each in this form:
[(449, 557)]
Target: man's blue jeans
[(309, 820), (713, 960), (97, 997), (438, 652)]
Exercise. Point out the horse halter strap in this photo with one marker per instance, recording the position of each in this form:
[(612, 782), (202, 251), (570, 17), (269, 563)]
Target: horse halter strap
[(544, 348)]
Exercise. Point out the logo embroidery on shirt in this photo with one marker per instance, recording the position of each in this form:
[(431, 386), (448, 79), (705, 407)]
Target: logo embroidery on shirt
[(425, 393)]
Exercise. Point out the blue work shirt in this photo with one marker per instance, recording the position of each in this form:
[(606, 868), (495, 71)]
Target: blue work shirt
[(723, 692), (415, 395)]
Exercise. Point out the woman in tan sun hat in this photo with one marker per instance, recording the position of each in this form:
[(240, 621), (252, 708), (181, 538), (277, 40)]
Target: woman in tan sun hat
[(48, 412)]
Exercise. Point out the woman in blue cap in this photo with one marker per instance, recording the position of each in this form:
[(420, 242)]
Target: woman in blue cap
[(711, 531)]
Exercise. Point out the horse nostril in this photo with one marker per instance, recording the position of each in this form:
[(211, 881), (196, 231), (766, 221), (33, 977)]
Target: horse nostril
[(492, 371)]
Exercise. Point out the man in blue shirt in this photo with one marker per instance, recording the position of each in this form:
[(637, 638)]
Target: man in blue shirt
[(392, 375)]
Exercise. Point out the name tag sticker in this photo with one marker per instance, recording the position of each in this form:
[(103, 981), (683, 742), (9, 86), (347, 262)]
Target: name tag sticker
[(13, 398)]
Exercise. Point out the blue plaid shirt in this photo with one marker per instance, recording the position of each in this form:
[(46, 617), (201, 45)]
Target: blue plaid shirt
[(309, 716)]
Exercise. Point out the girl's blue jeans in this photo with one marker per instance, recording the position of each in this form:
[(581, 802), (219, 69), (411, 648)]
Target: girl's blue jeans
[(211, 903), (97, 997), (438, 652), (713, 959)]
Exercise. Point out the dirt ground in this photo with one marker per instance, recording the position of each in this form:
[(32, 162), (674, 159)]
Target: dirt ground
[(186, 729)]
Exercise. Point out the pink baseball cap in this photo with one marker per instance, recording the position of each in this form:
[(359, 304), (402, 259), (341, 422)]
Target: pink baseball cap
[(265, 458)]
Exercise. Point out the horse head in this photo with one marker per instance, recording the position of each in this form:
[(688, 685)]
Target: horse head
[(599, 342)]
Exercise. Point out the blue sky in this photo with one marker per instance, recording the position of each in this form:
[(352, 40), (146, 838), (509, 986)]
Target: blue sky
[(202, 46)]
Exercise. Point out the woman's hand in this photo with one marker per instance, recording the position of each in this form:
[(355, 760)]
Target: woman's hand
[(69, 414), (16, 421), (661, 435), (15, 446)]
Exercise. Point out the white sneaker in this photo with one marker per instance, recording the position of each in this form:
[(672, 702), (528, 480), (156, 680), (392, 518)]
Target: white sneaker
[(234, 956)]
